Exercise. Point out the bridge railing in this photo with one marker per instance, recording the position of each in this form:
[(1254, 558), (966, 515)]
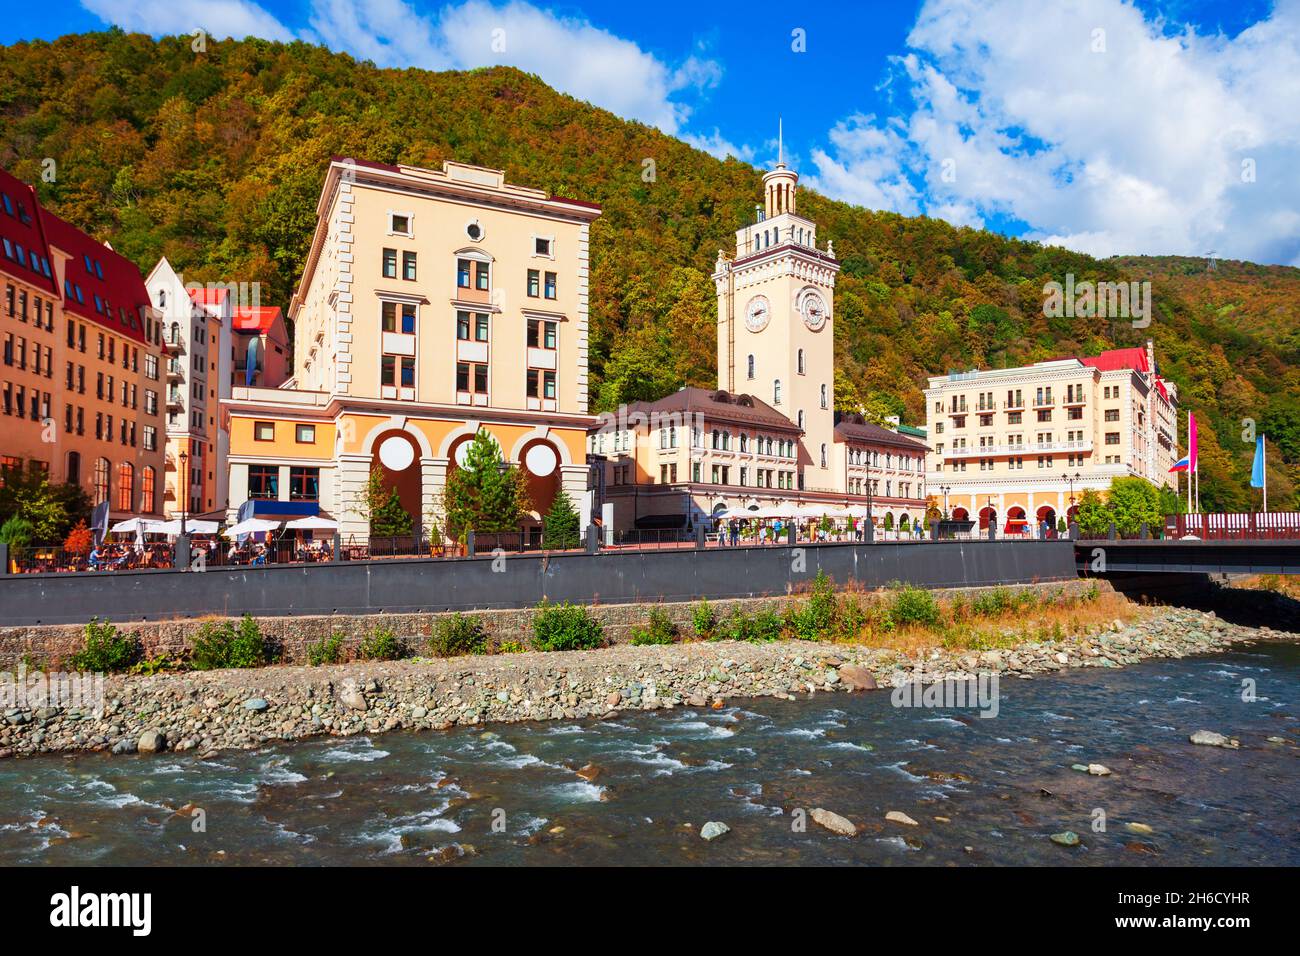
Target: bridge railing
[(1228, 526)]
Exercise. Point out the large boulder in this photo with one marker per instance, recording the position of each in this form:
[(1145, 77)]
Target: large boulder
[(856, 677), (152, 742), (833, 822)]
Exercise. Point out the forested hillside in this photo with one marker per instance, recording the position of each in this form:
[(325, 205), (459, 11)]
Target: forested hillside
[(215, 159)]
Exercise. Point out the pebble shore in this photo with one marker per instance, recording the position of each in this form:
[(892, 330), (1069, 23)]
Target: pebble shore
[(207, 712)]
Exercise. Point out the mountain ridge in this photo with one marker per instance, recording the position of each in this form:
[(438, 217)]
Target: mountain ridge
[(215, 159)]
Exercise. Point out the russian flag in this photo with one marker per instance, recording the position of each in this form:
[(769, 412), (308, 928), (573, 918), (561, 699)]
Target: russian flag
[(1188, 461)]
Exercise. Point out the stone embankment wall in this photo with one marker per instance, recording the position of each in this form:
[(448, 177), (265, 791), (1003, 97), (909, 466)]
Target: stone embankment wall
[(46, 645)]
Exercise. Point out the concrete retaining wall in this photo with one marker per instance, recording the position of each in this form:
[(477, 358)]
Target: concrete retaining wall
[(610, 577)]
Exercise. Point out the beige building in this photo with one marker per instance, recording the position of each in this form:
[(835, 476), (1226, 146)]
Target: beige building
[(769, 434), (1019, 445), (434, 303)]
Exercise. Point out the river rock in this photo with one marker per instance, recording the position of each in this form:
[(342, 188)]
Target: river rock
[(898, 816), (351, 697), (1209, 738), (1098, 770), (1066, 838), (256, 704), (1138, 828), (151, 742), (714, 829), (833, 822), (857, 678)]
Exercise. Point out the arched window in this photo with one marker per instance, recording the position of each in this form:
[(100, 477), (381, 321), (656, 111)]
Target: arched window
[(751, 366), (823, 456), (825, 400), (147, 504), (74, 468), (744, 442), (162, 298), (801, 418), (125, 486), (802, 366), (776, 392), (101, 480), (176, 332)]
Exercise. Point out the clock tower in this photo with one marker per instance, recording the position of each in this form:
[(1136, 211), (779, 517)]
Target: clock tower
[(775, 315)]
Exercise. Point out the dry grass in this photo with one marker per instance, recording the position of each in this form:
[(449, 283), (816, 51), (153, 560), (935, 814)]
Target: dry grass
[(1281, 584), (962, 628)]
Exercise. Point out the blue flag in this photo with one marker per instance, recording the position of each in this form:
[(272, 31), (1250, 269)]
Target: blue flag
[(1257, 470)]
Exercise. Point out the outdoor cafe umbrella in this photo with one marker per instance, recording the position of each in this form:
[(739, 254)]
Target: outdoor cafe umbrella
[(192, 526), (312, 523), (251, 526)]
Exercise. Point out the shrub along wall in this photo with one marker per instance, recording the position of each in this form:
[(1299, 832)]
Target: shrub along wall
[(49, 646)]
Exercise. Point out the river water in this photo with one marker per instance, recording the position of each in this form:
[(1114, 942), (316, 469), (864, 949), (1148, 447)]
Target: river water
[(510, 795)]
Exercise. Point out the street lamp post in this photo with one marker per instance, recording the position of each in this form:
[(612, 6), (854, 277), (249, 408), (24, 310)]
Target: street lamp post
[(182, 558), (870, 529), (184, 486), (945, 489), (1077, 476)]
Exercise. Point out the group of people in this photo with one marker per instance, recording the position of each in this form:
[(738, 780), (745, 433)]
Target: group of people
[(776, 531)]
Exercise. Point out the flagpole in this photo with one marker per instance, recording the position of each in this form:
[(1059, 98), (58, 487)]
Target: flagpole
[(1263, 467)]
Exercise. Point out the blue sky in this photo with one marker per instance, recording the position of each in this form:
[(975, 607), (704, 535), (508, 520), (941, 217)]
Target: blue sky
[(1103, 125)]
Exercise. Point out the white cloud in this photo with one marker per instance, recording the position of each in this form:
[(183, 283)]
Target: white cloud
[(1134, 148), (715, 144), (569, 54), (220, 18)]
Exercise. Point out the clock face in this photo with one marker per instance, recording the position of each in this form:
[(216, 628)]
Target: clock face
[(813, 308), (757, 313)]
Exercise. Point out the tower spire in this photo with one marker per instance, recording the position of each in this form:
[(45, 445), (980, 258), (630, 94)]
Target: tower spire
[(780, 143)]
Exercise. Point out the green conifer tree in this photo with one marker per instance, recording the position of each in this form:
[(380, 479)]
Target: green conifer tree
[(561, 526), (483, 494)]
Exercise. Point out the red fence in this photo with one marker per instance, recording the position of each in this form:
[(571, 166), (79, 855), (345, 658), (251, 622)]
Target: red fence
[(1235, 526)]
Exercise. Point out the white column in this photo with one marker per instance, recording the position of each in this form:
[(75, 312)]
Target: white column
[(353, 473), (433, 482)]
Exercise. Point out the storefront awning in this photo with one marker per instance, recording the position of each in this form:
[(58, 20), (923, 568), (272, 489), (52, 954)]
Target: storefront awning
[(266, 508)]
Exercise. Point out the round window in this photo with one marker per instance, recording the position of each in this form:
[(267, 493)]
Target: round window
[(474, 230)]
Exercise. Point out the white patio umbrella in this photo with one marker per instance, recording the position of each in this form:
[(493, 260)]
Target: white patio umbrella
[(810, 511), (130, 525), (192, 526), (312, 523), (251, 526), (856, 511)]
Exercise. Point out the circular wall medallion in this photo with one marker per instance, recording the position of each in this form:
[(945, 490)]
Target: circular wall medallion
[(396, 453), (757, 313), (541, 460)]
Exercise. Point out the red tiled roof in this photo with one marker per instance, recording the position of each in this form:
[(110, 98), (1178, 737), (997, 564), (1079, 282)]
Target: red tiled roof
[(255, 318), (100, 274), (20, 229), (214, 296), (1112, 360)]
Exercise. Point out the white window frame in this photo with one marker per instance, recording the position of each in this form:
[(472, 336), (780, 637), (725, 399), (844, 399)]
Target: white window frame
[(410, 223), (550, 239)]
